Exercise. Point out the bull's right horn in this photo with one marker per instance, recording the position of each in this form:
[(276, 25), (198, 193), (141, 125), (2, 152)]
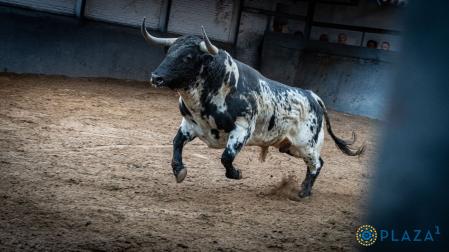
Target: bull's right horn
[(151, 40)]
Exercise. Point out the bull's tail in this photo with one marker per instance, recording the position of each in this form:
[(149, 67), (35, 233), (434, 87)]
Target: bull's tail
[(343, 145)]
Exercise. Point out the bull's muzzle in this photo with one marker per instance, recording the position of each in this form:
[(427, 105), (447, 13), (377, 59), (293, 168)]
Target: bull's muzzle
[(157, 80)]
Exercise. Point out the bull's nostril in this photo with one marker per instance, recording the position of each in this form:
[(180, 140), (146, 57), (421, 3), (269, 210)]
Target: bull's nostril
[(156, 79), (159, 80)]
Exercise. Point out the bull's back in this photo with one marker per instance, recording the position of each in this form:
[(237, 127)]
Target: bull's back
[(281, 113)]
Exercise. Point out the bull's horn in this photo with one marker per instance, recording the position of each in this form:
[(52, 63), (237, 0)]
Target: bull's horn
[(206, 45), (151, 40)]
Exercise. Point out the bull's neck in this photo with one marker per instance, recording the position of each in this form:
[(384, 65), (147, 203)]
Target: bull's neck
[(213, 85), (192, 97)]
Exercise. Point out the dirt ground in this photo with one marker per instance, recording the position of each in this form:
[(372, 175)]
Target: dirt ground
[(85, 165)]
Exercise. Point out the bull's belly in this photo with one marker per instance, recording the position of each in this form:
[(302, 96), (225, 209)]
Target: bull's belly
[(265, 139), (265, 136), (211, 136), (213, 142), (218, 139)]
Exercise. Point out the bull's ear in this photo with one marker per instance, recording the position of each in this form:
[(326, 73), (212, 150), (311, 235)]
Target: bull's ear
[(206, 58), (206, 46)]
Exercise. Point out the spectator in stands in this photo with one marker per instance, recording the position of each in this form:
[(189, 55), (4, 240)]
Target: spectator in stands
[(280, 25), (371, 43), (342, 38), (385, 46), (324, 37)]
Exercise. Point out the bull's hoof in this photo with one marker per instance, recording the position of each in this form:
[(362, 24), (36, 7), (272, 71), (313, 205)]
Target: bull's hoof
[(304, 193), (234, 174), (181, 175)]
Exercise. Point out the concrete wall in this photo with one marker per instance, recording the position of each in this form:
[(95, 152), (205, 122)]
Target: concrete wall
[(249, 42), (367, 13), (66, 7), (32, 42), (127, 12), (281, 55), (347, 84), (349, 79), (217, 17)]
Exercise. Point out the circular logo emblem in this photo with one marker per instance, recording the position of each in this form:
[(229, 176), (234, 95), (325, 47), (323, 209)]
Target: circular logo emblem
[(366, 235)]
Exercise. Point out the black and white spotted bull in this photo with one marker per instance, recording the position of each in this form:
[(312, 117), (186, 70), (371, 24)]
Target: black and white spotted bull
[(228, 104)]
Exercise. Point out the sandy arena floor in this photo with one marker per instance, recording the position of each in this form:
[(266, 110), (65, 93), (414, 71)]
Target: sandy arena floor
[(85, 165)]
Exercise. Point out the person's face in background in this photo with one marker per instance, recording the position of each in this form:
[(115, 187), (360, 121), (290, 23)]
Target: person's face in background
[(385, 46), (280, 26), (342, 38), (324, 37), (371, 44)]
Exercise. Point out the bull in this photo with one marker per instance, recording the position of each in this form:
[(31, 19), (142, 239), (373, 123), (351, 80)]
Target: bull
[(227, 104)]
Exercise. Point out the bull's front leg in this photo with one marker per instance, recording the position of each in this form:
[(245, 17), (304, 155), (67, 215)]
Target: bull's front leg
[(184, 135), (237, 139)]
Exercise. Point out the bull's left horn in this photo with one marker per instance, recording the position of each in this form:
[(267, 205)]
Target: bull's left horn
[(151, 40), (206, 45)]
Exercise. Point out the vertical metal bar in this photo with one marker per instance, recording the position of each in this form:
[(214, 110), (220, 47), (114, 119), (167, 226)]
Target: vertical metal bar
[(80, 6), (165, 16), (268, 24), (237, 24), (363, 39), (309, 18)]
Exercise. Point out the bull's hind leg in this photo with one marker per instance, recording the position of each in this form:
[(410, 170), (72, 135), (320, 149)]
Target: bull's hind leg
[(311, 156), (309, 150), (314, 165)]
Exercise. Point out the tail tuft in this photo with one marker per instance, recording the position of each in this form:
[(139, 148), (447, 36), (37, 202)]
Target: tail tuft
[(343, 145)]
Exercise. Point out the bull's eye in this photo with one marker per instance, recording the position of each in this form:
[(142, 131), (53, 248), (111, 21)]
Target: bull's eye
[(187, 58)]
